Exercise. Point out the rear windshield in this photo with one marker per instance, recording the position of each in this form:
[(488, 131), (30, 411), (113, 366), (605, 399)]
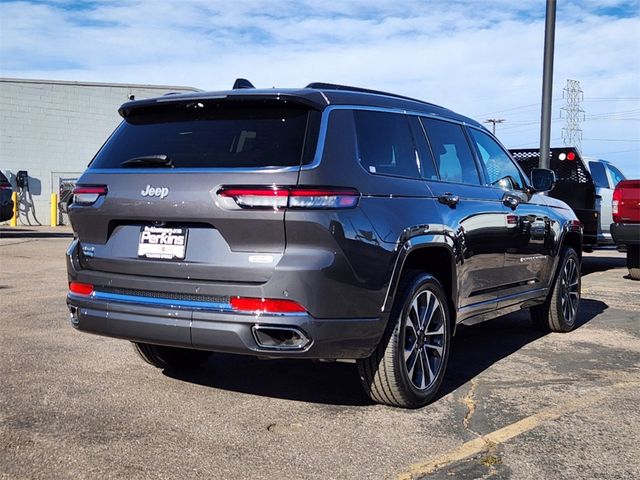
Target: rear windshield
[(213, 135)]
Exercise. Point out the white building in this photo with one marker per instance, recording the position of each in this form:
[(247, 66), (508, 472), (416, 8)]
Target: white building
[(52, 129)]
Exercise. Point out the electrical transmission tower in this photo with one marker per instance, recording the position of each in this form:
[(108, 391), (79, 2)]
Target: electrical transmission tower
[(573, 113)]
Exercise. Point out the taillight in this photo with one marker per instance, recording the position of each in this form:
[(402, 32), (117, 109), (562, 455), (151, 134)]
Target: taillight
[(567, 156), (265, 305), (268, 198), (5, 186), (88, 194), (81, 288), (615, 205), (277, 198)]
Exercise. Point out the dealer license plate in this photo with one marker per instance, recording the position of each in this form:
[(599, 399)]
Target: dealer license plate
[(162, 243)]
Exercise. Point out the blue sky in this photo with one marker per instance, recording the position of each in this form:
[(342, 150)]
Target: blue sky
[(481, 58)]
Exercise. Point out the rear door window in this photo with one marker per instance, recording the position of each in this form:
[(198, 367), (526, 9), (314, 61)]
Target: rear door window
[(385, 144), (212, 135), (453, 157), (616, 175), (599, 174)]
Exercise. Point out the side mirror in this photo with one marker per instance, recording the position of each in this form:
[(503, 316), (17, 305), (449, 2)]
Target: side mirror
[(543, 180)]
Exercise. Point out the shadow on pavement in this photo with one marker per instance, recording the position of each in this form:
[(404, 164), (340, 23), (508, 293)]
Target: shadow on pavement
[(474, 350), (601, 264), (477, 347), (28, 233), (333, 383)]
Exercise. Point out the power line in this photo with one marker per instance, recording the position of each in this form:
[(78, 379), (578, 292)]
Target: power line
[(533, 144), (519, 107), (610, 99), (609, 140), (618, 114), (532, 105), (620, 151)]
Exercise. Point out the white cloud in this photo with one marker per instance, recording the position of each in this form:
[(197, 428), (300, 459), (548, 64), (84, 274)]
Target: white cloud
[(479, 58)]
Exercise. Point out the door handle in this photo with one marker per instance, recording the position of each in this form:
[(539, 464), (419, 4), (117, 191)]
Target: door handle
[(449, 199), (511, 201)]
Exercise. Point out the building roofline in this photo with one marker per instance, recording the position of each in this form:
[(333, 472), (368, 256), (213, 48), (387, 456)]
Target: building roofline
[(96, 84)]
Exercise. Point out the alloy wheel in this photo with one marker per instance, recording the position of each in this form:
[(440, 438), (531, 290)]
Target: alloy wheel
[(424, 339), (570, 290)]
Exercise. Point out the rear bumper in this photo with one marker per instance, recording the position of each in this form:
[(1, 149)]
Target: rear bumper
[(605, 238), (222, 331), (212, 325), (626, 233)]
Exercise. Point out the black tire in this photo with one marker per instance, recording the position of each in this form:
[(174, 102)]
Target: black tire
[(633, 261), (559, 312), (386, 375), (170, 357)]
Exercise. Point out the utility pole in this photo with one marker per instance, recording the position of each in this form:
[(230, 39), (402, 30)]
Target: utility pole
[(572, 133), (493, 121), (547, 83)]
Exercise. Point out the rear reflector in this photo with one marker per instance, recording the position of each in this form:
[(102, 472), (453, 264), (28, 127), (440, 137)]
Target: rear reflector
[(88, 194), (277, 198), (81, 288), (265, 305)]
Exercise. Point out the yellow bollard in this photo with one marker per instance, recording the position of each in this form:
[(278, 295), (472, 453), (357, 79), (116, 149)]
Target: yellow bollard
[(14, 219), (54, 209)]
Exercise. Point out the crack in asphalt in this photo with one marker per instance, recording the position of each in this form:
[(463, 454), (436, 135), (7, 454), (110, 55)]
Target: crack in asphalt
[(481, 444), (469, 401), (489, 456)]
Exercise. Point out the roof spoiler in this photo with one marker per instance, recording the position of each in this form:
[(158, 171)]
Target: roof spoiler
[(241, 83)]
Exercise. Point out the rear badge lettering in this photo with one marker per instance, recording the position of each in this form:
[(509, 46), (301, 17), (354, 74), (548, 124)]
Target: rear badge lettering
[(150, 191), (532, 259), (261, 259)]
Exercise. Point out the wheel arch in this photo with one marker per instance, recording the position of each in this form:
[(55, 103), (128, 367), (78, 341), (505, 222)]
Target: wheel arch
[(571, 236), (432, 255), (574, 240)]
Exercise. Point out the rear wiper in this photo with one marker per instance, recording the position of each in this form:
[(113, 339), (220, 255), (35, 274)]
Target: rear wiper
[(148, 161)]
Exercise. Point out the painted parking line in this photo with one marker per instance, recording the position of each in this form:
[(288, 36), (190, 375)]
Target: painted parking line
[(483, 443)]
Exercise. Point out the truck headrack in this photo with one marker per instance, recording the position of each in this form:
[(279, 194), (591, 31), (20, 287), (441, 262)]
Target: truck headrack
[(574, 184)]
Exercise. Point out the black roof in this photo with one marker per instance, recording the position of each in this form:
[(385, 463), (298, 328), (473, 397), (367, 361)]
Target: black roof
[(316, 95)]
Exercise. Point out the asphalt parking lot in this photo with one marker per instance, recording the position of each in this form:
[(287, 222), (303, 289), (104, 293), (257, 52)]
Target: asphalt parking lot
[(515, 403)]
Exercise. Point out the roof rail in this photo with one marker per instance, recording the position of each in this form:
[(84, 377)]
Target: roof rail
[(333, 86)]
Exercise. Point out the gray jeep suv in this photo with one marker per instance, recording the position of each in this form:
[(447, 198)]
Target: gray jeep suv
[(328, 222)]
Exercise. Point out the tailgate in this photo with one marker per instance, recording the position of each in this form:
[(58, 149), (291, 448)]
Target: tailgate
[(150, 208)]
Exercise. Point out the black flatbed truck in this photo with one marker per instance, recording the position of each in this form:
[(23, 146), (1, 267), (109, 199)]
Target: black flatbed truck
[(574, 185)]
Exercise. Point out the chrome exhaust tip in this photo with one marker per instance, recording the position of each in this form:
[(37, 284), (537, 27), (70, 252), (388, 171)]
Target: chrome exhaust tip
[(73, 315), (280, 338)]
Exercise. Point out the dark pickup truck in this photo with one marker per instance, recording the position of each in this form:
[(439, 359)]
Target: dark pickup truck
[(625, 228), (574, 186)]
